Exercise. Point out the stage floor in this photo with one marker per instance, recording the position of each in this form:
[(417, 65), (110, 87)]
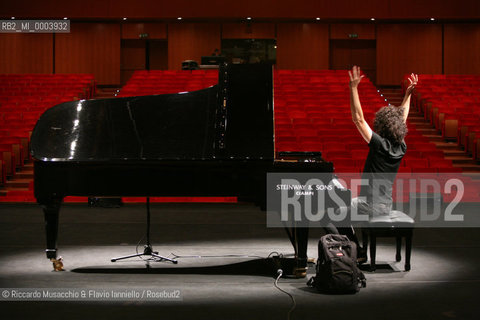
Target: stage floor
[(221, 272)]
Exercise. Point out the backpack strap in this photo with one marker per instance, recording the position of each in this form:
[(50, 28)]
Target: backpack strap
[(362, 281)]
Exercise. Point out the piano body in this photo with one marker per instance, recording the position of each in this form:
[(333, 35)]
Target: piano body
[(217, 141)]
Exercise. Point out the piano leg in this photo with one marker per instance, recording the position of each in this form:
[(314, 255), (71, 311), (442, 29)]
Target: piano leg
[(51, 211), (302, 244), (299, 239), (301, 235)]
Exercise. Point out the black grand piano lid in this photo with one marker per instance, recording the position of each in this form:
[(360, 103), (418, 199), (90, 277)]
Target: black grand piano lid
[(169, 126), (148, 127)]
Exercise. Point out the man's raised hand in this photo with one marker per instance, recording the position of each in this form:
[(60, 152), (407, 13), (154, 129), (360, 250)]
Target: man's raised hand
[(413, 79), (355, 76)]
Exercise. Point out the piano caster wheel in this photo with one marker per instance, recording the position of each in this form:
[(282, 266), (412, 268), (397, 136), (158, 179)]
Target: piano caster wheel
[(57, 264), (300, 272)]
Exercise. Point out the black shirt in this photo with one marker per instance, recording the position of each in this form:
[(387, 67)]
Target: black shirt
[(381, 167)]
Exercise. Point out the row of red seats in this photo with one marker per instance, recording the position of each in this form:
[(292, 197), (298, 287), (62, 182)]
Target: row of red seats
[(24, 85), (146, 82), (146, 73), (58, 90), (45, 83), (312, 112), (23, 98)]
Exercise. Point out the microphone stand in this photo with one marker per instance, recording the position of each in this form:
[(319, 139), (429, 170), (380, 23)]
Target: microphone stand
[(147, 249)]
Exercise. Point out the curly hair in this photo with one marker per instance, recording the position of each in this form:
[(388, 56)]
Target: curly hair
[(389, 124)]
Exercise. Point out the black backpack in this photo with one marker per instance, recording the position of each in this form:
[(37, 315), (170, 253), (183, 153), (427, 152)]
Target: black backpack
[(337, 269)]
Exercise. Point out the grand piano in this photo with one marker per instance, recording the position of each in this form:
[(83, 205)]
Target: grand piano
[(218, 141)]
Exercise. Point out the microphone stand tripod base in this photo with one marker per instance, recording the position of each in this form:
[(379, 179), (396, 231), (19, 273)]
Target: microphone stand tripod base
[(147, 251)]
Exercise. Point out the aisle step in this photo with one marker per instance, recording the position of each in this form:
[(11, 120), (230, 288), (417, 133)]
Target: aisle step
[(468, 167), (455, 153), (24, 175), (447, 145), (434, 137), (18, 184), (460, 159)]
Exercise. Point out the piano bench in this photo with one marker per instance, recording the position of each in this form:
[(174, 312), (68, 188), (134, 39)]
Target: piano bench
[(395, 224)]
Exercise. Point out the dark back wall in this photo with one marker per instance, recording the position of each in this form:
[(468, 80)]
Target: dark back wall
[(95, 47)]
